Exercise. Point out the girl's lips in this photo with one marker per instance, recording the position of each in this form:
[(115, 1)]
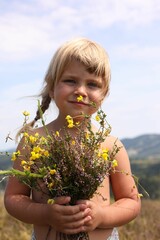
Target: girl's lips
[(79, 103)]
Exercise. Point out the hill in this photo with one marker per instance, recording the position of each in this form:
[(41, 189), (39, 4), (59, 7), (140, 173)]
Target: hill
[(146, 146)]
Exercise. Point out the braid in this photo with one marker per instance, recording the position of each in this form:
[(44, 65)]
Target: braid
[(46, 99), (29, 126)]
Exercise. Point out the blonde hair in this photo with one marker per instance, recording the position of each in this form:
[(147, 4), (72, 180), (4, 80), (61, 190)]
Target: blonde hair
[(89, 53)]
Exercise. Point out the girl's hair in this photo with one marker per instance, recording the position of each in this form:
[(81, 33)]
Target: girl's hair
[(89, 53)]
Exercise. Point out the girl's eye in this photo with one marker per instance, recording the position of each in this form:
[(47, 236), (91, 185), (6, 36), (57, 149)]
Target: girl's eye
[(94, 85), (69, 81)]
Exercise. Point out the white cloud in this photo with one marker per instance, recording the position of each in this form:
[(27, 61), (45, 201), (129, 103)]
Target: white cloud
[(136, 52), (33, 28)]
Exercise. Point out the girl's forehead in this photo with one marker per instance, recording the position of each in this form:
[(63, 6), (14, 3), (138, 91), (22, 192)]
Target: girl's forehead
[(76, 68)]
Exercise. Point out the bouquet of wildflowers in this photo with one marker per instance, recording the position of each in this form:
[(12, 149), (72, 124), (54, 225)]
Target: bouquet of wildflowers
[(67, 165)]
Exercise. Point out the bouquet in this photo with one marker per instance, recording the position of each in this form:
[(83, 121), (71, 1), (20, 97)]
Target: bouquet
[(66, 165)]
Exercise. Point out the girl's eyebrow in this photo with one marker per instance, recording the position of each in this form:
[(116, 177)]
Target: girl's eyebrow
[(68, 75)]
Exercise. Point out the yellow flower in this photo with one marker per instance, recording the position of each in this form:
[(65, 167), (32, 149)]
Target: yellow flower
[(26, 168), (57, 133), (15, 155), (105, 154), (108, 131), (37, 149), (97, 117), (70, 125), (70, 121), (23, 162), (26, 114), (52, 171), (80, 98), (73, 142), (87, 135), (46, 153), (36, 135), (51, 201), (50, 185), (68, 117), (35, 155), (32, 139), (114, 163), (25, 134)]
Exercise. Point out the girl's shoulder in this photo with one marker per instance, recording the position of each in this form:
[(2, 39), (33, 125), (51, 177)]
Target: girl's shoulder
[(112, 141)]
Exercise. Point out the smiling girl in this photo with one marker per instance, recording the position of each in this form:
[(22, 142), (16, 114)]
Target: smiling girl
[(79, 69)]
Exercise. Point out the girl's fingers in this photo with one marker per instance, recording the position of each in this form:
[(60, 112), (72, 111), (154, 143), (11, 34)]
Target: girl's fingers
[(80, 215), (62, 200)]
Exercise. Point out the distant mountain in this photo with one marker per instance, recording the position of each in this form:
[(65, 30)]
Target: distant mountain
[(145, 146)]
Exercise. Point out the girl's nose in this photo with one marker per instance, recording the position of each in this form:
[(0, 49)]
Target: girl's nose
[(81, 90)]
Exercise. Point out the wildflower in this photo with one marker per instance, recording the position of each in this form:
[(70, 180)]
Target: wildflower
[(15, 155), (52, 171), (37, 149), (34, 155), (73, 142), (46, 153), (97, 118), (70, 121), (51, 201), (32, 139), (108, 131), (25, 134), (50, 185), (26, 114), (23, 162), (80, 98), (36, 135), (87, 135), (68, 117), (105, 154), (57, 133), (114, 163), (26, 168)]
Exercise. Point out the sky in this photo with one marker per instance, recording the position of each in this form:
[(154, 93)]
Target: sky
[(129, 30)]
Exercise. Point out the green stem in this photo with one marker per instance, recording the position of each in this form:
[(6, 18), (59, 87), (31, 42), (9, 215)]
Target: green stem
[(15, 172)]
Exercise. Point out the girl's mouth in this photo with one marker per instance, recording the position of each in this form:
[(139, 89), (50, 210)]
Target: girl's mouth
[(79, 103)]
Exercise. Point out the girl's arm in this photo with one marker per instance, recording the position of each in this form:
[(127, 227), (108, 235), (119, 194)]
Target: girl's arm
[(127, 203), (18, 203)]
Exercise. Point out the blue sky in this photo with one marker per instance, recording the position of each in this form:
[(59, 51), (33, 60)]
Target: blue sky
[(129, 30)]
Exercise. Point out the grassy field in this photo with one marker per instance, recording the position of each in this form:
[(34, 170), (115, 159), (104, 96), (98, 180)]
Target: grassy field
[(145, 227)]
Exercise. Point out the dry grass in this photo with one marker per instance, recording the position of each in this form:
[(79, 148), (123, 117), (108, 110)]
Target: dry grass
[(10, 228), (145, 227)]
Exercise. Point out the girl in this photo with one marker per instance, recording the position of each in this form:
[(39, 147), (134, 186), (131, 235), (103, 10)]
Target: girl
[(79, 68)]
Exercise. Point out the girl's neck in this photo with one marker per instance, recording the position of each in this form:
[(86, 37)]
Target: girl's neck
[(60, 124)]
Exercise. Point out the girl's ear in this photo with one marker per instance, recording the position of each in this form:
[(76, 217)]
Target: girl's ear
[(51, 94)]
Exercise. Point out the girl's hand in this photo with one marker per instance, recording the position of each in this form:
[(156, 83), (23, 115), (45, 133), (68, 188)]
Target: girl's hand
[(68, 219), (95, 214)]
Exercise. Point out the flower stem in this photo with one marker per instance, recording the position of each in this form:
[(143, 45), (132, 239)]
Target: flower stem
[(15, 172)]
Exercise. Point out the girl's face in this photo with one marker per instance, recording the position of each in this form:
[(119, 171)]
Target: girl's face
[(77, 81)]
